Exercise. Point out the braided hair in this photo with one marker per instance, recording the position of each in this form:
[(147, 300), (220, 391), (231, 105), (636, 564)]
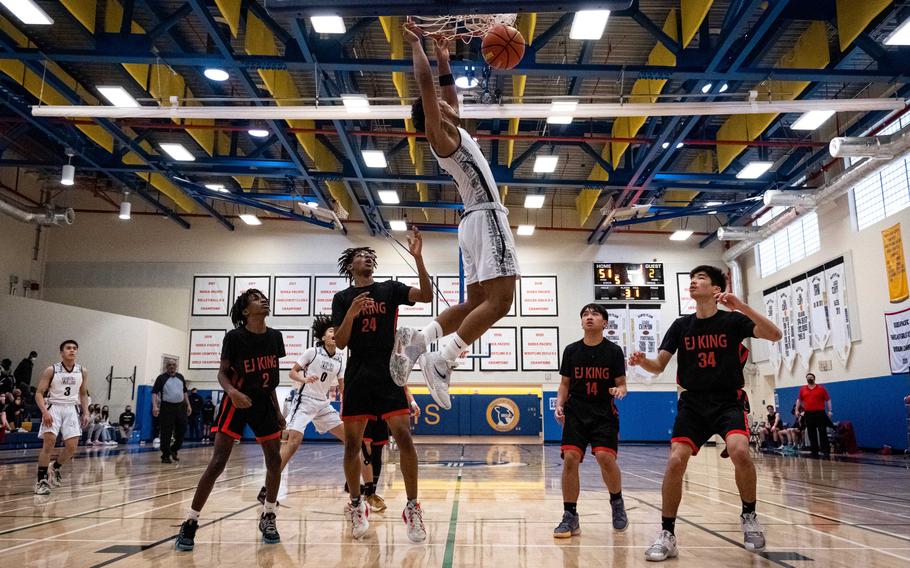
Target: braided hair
[(347, 257), (243, 300), (321, 324)]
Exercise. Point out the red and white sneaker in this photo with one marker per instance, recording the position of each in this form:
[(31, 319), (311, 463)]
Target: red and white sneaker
[(413, 518), (360, 520)]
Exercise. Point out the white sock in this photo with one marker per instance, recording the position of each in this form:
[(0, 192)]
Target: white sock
[(269, 507), (453, 347), (431, 332), (193, 515)]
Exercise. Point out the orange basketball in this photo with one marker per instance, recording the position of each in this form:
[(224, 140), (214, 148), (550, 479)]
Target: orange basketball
[(503, 47)]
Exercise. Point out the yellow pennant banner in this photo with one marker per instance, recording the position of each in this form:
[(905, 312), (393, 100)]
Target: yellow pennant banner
[(894, 264)]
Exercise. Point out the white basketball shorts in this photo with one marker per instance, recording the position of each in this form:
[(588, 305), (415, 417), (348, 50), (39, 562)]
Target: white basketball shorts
[(66, 422), (487, 246), (320, 412)]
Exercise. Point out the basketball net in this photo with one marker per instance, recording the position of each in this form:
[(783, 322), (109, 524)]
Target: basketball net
[(463, 27)]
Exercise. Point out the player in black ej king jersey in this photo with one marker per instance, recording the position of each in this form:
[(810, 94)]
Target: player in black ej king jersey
[(593, 374), (364, 316), (249, 374), (710, 370)]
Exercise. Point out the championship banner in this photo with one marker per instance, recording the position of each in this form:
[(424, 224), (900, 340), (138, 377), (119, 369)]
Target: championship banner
[(787, 326), (800, 291), (617, 329), (895, 267), (645, 334), (837, 311), (818, 309), (774, 347), (897, 325)]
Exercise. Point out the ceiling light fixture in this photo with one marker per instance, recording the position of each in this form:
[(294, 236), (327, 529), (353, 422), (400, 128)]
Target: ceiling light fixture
[(525, 230), (258, 132), (388, 196), (812, 119), (398, 225), (706, 88), (177, 151), (589, 24), (534, 200), (900, 36), (250, 219), (724, 87), (754, 170), (117, 96), (466, 82), (28, 12), (355, 102), (545, 164), (68, 175), (328, 24), (125, 206), (216, 74), (219, 187), (374, 158), (680, 235)]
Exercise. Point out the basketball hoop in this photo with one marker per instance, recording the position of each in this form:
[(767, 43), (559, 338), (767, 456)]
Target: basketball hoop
[(464, 27)]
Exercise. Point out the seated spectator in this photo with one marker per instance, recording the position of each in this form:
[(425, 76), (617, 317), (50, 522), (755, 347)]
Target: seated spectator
[(7, 379), (771, 428), (87, 431), (794, 435), (127, 422), (4, 424), (15, 411), (101, 431)]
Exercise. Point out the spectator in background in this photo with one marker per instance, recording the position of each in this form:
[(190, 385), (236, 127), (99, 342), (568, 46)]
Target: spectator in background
[(7, 379), (813, 398), (15, 410), (196, 404), (772, 427), (4, 424), (208, 418), (23, 372), (127, 422), (170, 401)]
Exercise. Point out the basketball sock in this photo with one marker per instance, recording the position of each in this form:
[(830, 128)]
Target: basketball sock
[(453, 347), (57, 465), (42, 473), (668, 524), (269, 507), (431, 332), (412, 502), (570, 507), (355, 501), (748, 507), (369, 489), (615, 496), (193, 515)]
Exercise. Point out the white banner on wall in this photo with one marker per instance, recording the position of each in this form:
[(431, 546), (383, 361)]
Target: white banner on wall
[(325, 288), (291, 296), (897, 325), (540, 349), (447, 292), (686, 303), (774, 347), (645, 335), (538, 296), (787, 326), (419, 308), (501, 343), (243, 283), (211, 295), (205, 348), (818, 309), (837, 311), (296, 341), (800, 289), (617, 329)]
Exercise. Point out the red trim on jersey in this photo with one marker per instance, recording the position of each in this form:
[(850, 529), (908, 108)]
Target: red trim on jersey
[(743, 354), (741, 432), (359, 418), (603, 449), (379, 443), (576, 449), (395, 413), (269, 437), (224, 430), (684, 440)]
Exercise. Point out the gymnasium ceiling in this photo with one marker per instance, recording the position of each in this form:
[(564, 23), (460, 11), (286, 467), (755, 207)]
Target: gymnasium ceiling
[(158, 49)]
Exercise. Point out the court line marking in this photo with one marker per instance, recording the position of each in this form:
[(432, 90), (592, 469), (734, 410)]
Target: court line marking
[(453, 518), (806, 527)]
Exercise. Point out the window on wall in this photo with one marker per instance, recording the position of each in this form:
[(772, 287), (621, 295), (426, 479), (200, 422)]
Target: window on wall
[(788, 245), (885, 192)]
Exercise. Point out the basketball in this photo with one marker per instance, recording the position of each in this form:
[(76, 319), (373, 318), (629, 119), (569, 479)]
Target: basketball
[(503, 47)]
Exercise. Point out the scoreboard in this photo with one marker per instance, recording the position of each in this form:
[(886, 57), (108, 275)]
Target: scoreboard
[(629, 281)]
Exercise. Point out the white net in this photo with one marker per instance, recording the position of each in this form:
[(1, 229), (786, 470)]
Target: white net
[(462, 27)]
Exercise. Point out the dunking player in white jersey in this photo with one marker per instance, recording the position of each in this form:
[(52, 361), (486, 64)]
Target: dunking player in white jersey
[(484, 236), (61, 388), (318, 370)]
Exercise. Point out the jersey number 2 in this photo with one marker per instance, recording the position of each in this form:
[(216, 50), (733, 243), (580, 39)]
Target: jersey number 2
[(265, 380), (706, 360)]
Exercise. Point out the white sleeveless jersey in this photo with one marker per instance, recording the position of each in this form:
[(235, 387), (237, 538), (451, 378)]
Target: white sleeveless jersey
[(472, 174), (65, 385), (329, 368)]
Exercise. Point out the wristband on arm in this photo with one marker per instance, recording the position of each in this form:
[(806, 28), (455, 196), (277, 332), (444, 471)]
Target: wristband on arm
[(446, 80)]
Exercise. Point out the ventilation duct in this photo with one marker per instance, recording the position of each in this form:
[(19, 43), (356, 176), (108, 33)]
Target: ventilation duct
[(875, 147), (49, 216)]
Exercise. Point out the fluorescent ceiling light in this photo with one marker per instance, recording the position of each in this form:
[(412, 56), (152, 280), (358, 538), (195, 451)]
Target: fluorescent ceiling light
[(28, 12), (812, 119), (754, 170), (374, 158), (900, 36), (680, 235), (398, 225), (525, 230), (177, 151), (328, 24), (534, 201), (713, 204), (724, 87), (216, 74), (680, 145), (545, 164), (258, 132), (589, 24), (219, 187), (312, 204), (465, 82), (118, 96), (561, 112), (355, 102), (707, 88), (559, 120), (388, 196), (68, 175), (250, 219), (665, 145)]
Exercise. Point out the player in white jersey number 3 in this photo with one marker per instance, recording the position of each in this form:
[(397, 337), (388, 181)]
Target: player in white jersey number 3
[(484, 236), (65, 386)]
